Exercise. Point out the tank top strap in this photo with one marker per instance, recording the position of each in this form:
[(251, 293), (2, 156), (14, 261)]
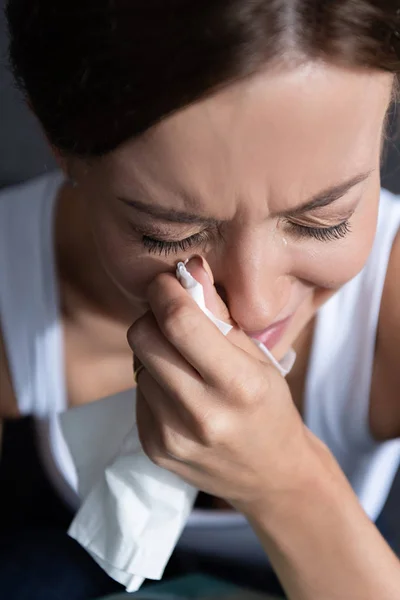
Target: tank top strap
[(29, 306), (341, 364), (337, 394)]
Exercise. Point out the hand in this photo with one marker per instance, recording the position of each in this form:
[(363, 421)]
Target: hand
[(211, 408)]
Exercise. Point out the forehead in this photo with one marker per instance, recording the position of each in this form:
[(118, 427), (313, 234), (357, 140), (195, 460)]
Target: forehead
[(279, 135)]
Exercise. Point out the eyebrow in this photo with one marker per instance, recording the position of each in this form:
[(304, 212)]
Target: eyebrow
[(169, 214), (328, 196), (320, 200)]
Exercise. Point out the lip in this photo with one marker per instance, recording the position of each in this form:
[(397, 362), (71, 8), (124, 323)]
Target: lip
[(272, 335)]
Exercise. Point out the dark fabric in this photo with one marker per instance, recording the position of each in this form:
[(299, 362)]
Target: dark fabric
[(38, 560), (46, 564), (27, 499)]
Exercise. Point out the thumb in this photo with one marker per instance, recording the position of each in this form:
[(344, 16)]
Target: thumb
[(200, 270)]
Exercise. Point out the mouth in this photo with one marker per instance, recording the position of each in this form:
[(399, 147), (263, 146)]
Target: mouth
[(272, 335)]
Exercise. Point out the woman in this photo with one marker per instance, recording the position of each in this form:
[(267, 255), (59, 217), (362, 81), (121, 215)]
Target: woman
[(249, 134)]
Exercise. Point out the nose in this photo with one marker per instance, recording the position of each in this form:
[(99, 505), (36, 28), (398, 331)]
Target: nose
[(256, 290)]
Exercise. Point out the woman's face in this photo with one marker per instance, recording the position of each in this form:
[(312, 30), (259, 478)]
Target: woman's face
[(274, 181)]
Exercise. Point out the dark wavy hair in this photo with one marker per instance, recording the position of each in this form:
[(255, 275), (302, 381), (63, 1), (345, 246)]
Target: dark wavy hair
[(98, 72)]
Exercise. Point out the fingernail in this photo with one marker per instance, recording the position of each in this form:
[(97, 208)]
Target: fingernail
[(198, 261)]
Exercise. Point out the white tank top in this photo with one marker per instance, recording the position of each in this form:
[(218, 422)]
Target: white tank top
[(337, 390)]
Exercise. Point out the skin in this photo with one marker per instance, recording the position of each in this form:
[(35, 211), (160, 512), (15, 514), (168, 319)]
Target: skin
[(236, 147), (233, 158)]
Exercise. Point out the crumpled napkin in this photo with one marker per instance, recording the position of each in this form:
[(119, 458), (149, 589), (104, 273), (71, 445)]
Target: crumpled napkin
[(133, 511)]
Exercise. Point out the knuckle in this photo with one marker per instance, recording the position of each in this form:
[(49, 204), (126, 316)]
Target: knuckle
[(136, 331), (179, 319), (139, 333), (234, 376), (149, 447), (172, 444), (251, 389), (215, 429), (263, 385), (153, 451), (158, 460), (239, 389)]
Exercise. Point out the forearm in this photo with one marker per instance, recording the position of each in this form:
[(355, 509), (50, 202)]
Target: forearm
[(321, 543)]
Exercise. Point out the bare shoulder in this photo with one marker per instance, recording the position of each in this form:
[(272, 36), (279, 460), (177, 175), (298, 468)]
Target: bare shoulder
[(8, 403), (385, 396)]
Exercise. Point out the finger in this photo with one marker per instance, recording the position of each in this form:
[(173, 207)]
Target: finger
[(161, 359), (167, 429), (150, 439), (200, 270), (147, 428), (136, 369), (174, 390), (192, 333)]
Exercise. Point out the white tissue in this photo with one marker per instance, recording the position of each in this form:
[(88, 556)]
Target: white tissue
[(196, 291), (133, 512)]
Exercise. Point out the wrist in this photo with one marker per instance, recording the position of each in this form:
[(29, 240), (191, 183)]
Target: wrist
[(314, 473), (319, 539)]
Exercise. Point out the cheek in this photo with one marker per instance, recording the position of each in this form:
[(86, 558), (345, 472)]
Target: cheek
[(332, 264), (124, 260)]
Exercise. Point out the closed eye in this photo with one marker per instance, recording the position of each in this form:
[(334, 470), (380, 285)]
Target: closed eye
[(322, 234), (165, 248)]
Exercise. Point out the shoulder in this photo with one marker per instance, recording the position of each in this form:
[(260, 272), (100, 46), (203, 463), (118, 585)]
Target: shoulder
[(385, 397), (8, 403), (42, 187), (22, 220)]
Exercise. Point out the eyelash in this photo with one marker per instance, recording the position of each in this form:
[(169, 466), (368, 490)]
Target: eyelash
[(165, 248), (322, 234)]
